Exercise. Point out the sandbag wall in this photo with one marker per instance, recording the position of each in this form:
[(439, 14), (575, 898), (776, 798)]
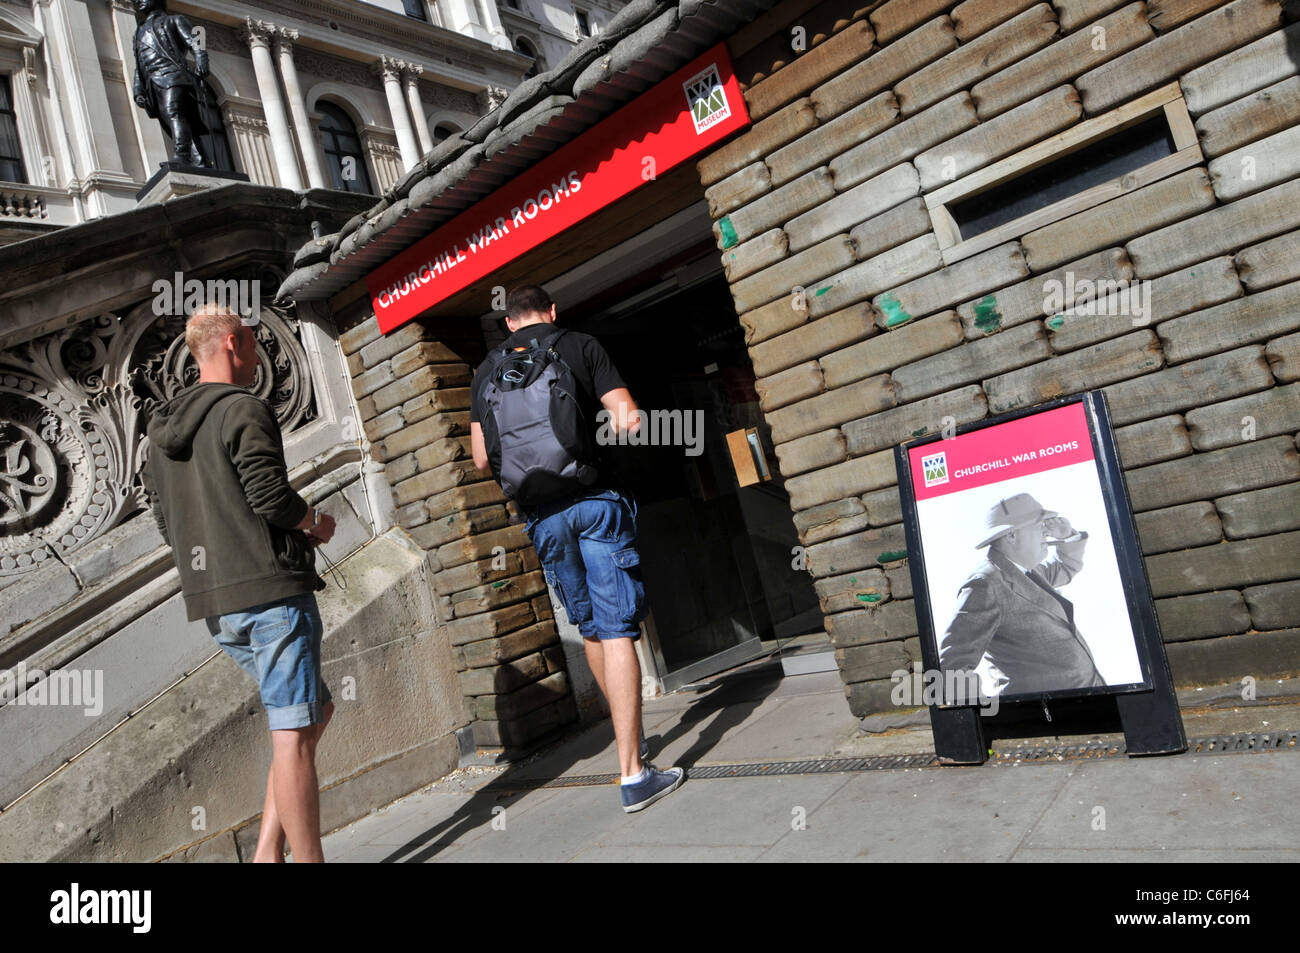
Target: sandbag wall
[(412, 391), (862, 336)]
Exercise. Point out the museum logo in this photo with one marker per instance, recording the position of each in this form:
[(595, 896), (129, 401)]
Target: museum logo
[(935, 468), (706, 99)]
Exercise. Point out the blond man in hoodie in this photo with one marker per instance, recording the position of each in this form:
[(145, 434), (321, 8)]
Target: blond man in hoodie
[(242, 539)]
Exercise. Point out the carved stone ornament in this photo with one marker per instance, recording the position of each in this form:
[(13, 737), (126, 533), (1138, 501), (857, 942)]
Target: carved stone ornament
[(74, 407), (491, 97), (389, 68), (258, 32)]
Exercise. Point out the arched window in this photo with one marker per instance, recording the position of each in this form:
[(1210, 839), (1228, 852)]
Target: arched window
[(11, 150), (526, 48), (343, 153), (443, 131), (213, 144)]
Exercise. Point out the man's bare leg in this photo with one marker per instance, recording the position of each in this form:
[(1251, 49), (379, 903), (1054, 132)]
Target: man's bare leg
[(596, 661), (622, 687), (270, 839), (293, 783)]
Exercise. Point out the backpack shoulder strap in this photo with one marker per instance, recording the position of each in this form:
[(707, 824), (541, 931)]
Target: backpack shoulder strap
[(553, 352), (495, 357)]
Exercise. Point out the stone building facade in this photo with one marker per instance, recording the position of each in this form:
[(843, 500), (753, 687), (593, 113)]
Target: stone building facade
[(869, 319), (159, 751), (547, 31), (295, 87)]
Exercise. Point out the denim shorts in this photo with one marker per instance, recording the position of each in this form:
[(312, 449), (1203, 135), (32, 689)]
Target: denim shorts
[(587, 547), (278, 643)]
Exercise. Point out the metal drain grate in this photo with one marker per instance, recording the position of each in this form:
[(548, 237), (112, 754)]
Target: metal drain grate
[(1221, 744), (1092, 751)]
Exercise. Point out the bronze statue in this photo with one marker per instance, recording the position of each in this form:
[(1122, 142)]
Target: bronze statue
[(165, 87)]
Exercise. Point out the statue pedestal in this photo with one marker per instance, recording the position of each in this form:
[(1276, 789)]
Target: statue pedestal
[(174, 179)]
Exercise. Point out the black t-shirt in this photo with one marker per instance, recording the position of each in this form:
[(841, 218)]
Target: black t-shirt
[(593, 372)]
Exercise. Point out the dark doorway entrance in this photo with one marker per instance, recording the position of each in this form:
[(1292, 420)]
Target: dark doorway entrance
[(717, 557)]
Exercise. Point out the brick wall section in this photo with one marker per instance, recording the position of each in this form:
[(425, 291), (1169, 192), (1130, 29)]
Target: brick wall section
[(863, 339), (412, 389)]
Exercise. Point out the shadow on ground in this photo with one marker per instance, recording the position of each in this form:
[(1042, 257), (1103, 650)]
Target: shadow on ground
[(728, 701)]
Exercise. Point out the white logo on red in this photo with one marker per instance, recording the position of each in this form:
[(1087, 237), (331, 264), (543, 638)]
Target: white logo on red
[(706, 98), (935, 469)]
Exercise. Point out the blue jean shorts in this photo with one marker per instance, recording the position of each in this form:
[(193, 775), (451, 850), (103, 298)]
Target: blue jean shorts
[(278, 643), (587, 547)]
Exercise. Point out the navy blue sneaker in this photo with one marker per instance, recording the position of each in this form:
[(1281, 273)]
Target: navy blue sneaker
[(637, 797)]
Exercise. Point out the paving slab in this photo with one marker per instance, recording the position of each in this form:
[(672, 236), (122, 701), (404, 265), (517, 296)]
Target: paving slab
[(666, 854), (542, 836), (1121, 855), (931, 814), (725, 812), (1184, 808), (591, 750), (340, 848), (1234, 802), (789, 729)]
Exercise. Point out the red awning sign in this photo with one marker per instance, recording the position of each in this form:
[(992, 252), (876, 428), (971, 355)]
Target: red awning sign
[(692, 110)]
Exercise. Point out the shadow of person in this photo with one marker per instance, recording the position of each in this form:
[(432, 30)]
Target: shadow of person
[(730, 700), (574, 744)]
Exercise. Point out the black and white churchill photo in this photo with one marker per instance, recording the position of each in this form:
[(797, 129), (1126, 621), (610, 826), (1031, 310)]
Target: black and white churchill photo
[(1019, 558), (1025, 588), (1010, 612)]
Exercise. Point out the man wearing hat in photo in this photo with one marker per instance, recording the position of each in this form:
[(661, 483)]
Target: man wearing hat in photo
[(1009, 608)]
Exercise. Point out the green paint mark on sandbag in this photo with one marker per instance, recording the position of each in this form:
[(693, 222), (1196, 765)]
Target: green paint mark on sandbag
[(821, 291), (1056, 321), (987, 316), (893, 311), (892, 557), (869, 596), (729, 236)]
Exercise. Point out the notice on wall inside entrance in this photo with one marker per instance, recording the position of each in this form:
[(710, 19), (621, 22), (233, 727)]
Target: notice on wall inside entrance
[(689, 112), (1025, 566)]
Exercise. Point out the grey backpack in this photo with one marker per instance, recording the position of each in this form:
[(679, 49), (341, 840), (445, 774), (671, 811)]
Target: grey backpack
[(539, 442)]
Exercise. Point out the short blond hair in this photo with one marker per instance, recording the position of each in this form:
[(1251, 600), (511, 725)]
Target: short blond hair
[(207, 326)]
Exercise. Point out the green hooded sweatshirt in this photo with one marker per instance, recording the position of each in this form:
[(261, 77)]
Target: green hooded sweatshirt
[(220, 492)]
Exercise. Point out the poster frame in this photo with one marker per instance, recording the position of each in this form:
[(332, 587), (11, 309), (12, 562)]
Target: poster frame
[(1143, 620)]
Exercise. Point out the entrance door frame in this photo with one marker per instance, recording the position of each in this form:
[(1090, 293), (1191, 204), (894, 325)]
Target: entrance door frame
[(656, 243)]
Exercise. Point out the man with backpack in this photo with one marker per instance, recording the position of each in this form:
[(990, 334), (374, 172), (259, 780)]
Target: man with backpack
[(533, 422)]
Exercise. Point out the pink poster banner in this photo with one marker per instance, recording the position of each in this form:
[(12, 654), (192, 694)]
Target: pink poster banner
[(1033, 444)]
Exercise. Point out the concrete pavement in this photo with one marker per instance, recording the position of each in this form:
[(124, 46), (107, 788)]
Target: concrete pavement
[(1191, 807)]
